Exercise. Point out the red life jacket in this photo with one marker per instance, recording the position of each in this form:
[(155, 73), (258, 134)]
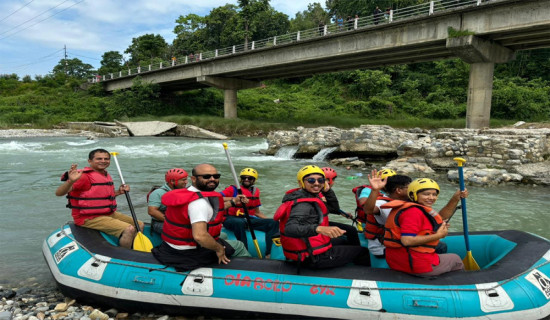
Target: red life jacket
[(177, 225), (98, 200), (392, 235), (373, 229), (359, 212), (253, 195), (298, 249)]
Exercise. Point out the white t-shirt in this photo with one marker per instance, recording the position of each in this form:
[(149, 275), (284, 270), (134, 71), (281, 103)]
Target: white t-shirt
[(375, 247), (199, 210)]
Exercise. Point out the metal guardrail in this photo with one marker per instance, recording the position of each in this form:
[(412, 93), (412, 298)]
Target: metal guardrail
[(424, 9)]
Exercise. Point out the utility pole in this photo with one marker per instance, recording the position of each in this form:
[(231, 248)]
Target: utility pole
[(66, 64)]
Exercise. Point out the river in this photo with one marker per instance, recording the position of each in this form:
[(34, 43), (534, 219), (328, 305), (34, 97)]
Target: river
[(31, 168)]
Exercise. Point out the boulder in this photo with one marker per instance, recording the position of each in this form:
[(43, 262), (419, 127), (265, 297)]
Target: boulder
[(147, 128)]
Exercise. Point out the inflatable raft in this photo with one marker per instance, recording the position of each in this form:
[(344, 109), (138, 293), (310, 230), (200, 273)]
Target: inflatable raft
[(513, 283)]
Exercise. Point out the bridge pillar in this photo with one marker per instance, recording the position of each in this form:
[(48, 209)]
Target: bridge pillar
[(482, 56), (230, 87), (230, 104)]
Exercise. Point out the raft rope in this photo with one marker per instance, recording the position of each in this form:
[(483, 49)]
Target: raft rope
[(362, 288)]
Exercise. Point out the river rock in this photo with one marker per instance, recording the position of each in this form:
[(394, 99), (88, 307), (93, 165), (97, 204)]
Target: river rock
[(98, 315), (521, 153)]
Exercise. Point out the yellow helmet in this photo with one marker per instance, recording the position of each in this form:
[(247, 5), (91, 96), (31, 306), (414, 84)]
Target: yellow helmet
[(306, 171), (249, 172), (386, 173), (419, 185)]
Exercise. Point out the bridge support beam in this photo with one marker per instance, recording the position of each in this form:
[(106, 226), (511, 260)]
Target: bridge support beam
[(230, 87), (482, 56)]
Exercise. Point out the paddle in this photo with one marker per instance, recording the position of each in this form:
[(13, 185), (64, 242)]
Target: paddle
[(245, 209), (469, 261), (141, 242)]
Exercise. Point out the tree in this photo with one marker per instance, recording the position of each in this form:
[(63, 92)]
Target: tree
[(249, 9), (111, 61), (190, 34), (215, 25), (73, 68), (310, 18), (146, 47)]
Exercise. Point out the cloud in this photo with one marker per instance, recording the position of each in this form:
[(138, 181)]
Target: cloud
[(90, 28)]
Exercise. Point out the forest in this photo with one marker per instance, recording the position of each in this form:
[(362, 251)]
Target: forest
[(413, 94)]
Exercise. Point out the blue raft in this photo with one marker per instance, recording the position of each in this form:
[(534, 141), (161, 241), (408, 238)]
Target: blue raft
[(513, 282)]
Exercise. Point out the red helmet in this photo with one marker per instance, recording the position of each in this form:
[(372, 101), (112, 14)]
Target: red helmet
[(330, 174), (175, 174)]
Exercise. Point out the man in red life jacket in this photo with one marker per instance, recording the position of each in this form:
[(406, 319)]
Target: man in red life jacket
[(175, 178), (235, 219), (395, 186), (193, 223), (413, 230), (92, 195), (305, 231)]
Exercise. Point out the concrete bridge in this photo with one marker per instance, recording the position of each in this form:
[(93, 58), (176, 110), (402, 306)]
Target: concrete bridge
[(490, 32)]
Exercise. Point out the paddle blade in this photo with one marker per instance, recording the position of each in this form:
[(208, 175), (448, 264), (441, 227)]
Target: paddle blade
[(142, 243), (258, 249), (469, 262)]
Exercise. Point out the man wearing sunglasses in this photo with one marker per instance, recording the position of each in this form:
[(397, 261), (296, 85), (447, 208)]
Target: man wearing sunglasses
[(193, 223), (306, 235), (235, 219)]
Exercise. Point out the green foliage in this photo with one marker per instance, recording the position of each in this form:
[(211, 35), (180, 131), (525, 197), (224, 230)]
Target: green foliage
[(146, 47), (517, 98), (369, 83), (73, 68), (111, 61), (453, 33), (310, 18), (142, 98)]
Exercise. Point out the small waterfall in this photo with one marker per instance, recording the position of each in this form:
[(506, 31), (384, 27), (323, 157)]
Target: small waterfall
[(286, 152), (323, 153)]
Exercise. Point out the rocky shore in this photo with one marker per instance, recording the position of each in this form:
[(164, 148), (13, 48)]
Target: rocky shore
[(30, 133), (31, 300), (494, 156)]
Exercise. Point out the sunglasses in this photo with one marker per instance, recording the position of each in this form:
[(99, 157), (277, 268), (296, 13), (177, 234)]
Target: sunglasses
[(208, 176), (312, 180), (248, 178)]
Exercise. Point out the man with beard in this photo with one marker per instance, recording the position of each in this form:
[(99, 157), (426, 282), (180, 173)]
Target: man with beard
[(192, 225)]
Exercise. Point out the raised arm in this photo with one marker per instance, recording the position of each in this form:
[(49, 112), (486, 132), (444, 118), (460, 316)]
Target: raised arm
[(72, 176)]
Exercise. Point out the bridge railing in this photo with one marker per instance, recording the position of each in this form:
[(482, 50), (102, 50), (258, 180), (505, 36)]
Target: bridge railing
[(428, 8)]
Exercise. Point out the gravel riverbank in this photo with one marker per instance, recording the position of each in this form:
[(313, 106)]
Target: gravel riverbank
[(30, 133), (32, 300)]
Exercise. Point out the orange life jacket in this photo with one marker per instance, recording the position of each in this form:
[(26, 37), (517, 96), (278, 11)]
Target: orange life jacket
[(177, 225), (392, 235), (373, 229), (99, 199), (253, 195), (298, 249)]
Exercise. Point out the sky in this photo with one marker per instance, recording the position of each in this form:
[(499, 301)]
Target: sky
[(34, 33)]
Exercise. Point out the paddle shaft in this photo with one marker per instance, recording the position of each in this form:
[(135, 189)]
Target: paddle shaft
[(127, 194), (245, 209), (463, 205)]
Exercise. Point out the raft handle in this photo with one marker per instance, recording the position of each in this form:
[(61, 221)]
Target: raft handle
[(365, 293), (199, 278), (492, 293)]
